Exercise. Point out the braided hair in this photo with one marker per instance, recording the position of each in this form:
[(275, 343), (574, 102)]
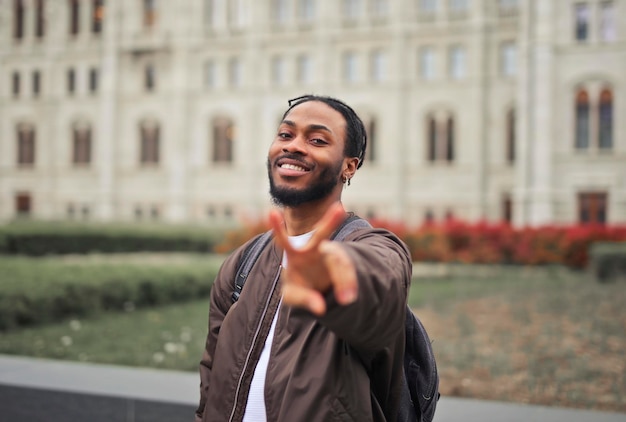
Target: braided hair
[(356, 136)]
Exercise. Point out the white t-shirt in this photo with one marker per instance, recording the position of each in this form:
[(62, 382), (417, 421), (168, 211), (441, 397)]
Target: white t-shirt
[(255, 407)]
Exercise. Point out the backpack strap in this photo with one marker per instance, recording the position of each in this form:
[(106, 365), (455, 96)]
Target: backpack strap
[(352, 223), (252, 252), (250, 255)]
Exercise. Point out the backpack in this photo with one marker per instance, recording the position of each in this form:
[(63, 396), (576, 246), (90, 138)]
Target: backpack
[(420, 391)]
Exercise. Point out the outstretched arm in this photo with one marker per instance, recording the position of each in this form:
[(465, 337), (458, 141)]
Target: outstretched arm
[(318, 267)]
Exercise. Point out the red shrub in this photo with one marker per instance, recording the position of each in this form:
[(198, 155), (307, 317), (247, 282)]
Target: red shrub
[(480, 243)]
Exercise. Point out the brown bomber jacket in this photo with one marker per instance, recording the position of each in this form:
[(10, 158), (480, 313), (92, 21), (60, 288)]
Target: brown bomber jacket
[(320, 369)]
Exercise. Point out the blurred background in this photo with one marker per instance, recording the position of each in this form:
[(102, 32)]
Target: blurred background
[(496, 110), (133, 145)]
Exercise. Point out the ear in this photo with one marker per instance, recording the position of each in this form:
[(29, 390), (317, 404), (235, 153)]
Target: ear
[(349, 167)]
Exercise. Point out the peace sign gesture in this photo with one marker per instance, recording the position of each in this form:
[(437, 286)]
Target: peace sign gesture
[(317, 267)]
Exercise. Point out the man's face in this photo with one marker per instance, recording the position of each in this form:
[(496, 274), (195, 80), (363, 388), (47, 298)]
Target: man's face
[(306, 159)]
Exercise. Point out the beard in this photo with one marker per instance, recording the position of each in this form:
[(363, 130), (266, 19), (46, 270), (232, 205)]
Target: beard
[(292, 197)]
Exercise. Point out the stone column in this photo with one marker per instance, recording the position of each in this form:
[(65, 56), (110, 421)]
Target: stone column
[(107, 130)]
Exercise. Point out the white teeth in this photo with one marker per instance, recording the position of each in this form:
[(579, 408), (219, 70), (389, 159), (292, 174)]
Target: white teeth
[(293, 167)]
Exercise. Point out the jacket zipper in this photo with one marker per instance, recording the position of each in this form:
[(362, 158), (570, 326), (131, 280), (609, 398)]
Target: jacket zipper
[(254, 341)]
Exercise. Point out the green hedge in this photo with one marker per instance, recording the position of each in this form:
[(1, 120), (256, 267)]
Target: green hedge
[(608, 261), (41, 290), (37, 238)]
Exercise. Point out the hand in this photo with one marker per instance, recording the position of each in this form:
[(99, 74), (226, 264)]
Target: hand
[(318, 266)]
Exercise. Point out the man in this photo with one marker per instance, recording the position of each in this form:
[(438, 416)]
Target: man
[(318, 331)]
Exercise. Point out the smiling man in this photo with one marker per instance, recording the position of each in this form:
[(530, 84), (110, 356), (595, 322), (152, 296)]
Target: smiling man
[(317, 334)]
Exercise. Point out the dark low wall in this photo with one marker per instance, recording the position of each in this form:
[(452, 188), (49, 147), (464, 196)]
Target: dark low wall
[(29, 404), (52, 391)]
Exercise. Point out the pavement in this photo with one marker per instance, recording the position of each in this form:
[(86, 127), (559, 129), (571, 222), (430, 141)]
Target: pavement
[(67, 380)]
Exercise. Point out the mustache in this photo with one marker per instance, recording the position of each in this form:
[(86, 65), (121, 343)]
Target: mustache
[(294, 157)]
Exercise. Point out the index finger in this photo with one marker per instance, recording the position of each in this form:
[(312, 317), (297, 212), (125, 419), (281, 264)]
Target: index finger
[(280, 232), (328, 224)]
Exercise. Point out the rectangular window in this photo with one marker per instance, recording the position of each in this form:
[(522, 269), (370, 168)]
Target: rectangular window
[(349, 67), (18, 19), (278, 70), (97, 16), (508, 59), (378, 66), (304, 71), (458, 6), (427, 63), (592, 207), (210, 15), (234, 72), (15, 84), (507, 209), (237, 14), (23, 204), (427, 7), (280, 12), (379, 8), (39, 19), (457, 62), (210, 76), (71, 81), (607, 22), (149, 78), (149, 13), (36, 83), (351, 9), (306, 10), (93, 80), (508, 7), (581, 16), (74, 13)]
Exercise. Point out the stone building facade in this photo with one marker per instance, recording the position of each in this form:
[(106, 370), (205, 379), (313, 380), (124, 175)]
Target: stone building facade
[(164, 110)]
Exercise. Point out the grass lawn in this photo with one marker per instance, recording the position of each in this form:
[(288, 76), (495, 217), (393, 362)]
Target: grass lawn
[(549, 337)]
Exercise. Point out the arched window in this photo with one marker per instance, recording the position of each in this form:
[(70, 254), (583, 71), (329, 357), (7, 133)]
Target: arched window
[(431, 136), (605, 120), (39, 19), (223, 131), (510, 136), (449, 154), (81, 143), (582, 120), (97, 16), (18, 19), (149, 13), (369, 122), (25, 144), (74, 16), (440, 137), (149, 142)]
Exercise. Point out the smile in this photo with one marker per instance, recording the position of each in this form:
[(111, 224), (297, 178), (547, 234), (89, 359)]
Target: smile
[(292, 167)]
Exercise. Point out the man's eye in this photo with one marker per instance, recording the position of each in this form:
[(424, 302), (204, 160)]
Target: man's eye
[(284, 135), (318, 141)]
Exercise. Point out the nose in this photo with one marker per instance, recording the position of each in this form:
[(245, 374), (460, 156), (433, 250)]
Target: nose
[(297, 144)]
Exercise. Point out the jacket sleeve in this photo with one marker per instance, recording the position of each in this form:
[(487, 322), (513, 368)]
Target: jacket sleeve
[(384, 268), (220, 302)]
